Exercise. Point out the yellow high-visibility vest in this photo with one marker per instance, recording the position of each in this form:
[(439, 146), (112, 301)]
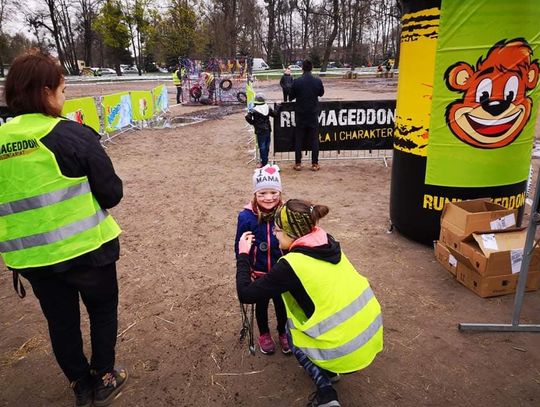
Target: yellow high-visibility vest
[(176, 77), (45, 217), (345, 332)]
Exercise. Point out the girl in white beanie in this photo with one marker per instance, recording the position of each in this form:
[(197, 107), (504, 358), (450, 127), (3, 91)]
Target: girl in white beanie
[(257, 217)]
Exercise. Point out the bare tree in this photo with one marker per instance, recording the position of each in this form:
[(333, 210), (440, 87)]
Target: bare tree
[(86, 14), (55, 19), (6, 7), (330, 41)]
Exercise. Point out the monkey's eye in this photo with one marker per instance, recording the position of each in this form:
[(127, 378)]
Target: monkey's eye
[(511, 88), (483, 91)]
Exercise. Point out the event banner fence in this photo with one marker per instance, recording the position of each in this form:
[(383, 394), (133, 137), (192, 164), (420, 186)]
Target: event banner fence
[(117, 111), (343, 125), (82, 111), (110, 113), (161, 101), (142, 103)]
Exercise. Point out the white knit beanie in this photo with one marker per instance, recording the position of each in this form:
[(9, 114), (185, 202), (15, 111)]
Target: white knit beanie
[(266, 177)]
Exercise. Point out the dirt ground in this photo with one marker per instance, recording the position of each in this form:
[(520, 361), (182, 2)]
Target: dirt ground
[(179, 315)]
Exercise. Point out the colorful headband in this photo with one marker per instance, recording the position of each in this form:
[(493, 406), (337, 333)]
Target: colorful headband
[(294, 224)]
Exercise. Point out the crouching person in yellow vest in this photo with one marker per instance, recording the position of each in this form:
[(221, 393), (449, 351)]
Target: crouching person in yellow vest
[(56, 183), (334, 320)]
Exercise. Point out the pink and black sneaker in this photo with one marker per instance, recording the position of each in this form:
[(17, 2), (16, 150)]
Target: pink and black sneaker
[(284, 343), (266, 344)]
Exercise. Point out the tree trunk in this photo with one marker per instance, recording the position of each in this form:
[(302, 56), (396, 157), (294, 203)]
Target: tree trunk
[(333, 34)]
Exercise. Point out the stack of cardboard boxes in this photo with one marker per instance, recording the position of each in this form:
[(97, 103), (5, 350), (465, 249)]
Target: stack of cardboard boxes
[(481, 246)]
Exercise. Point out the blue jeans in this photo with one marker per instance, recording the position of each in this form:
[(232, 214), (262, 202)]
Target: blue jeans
[(263, 140), (319, 375)]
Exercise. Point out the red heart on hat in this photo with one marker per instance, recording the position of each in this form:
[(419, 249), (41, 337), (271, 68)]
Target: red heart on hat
[(270, 170)]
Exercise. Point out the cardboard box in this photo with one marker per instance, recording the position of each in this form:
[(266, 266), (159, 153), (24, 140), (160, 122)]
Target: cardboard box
[(460, 219), (443, 256), (495, 285), (490, 286), (498, 253)]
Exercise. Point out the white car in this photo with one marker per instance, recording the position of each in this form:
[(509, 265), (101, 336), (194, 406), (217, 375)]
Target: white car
[(129, 70), (107, 71), (294, 67)]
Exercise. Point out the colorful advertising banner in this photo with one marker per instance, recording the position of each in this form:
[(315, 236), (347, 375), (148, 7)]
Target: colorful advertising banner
[(117, 111), (348, 125), (466, 108), (161, 99), (250, 95), (142, 103), (83, 111), (485, 93)]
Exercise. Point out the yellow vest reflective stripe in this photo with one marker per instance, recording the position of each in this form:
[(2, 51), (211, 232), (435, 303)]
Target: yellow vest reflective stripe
[(48, 198), (45, 217), (345, 332), (177, 80), (53, 236)]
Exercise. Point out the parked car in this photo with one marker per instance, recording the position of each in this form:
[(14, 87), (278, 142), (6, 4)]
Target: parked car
[(107, 71), (129, 70), (294, 67), (90, 71)]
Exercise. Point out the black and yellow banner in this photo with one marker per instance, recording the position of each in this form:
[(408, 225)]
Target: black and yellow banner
[(467, 104), (347, 125)]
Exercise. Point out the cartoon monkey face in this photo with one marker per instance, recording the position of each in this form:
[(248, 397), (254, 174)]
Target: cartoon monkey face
[(495, 106)]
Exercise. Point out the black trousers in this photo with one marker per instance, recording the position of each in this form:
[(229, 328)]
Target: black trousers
[(301, 133), (179, 96), (261, 314), (58, 295), (286, 95)]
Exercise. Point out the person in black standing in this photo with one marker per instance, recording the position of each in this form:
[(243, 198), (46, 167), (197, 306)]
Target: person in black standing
[(306, 90), (286, 82), (55, 229)]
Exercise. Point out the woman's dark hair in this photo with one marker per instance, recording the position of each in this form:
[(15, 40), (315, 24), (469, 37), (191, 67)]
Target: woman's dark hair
[(29, 74), (316, 212), (307, 66)]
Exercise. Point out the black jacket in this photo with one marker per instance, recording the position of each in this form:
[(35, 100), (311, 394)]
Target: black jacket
[(79, 153), (281, 277), (259, 117), (286, 82), (306, 90)]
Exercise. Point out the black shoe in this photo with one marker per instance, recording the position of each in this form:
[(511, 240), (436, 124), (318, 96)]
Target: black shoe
[(109, 386), (84, 394), (325, 397)]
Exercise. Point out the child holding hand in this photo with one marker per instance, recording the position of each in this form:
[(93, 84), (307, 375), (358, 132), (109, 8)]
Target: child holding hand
[(257, 217)]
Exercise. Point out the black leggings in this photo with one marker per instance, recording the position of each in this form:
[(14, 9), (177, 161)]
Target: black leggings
[(261, 313), (58, 295)]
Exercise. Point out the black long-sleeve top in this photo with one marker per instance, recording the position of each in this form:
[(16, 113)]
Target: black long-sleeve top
[(79, 153), (282, 277)]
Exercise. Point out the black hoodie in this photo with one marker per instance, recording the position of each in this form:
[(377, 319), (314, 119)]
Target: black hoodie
[(282, 278)]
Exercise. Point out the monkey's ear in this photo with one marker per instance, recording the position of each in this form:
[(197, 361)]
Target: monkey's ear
[(458, 75), (532, 75)]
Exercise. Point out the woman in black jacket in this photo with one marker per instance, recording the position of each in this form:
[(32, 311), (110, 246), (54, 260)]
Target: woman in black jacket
[(286, 82), (74, 254)]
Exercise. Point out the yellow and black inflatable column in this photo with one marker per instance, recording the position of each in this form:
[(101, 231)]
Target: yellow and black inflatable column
[(466, 108)]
